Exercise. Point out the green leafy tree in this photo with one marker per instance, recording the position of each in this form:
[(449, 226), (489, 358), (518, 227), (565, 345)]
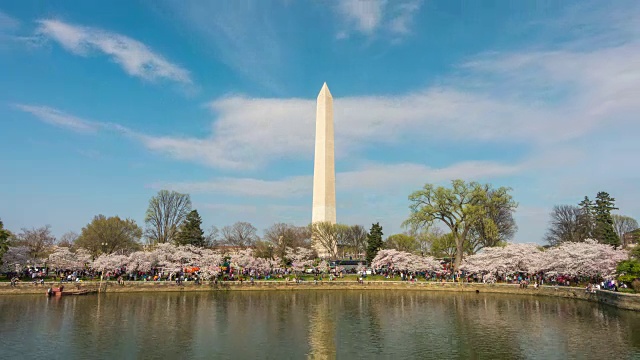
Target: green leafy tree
[(108, 235), (374, 241), (604, 231), (443, 246), (5, 235), (166, 211), (635, 252), (497, 227), (402, 242), (460, 208), (190, 232), (628, 270)]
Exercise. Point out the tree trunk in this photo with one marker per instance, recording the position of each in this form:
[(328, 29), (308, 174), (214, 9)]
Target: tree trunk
[(459, 250)]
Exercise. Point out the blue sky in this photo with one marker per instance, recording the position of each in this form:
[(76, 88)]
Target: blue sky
[(102, 105)]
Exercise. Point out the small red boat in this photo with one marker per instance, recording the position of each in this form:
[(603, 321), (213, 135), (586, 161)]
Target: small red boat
[(59, 291)]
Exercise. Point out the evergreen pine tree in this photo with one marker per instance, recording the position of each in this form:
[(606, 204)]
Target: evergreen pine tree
[(190, 231), (374, 241), (604, 231), (586, 220)]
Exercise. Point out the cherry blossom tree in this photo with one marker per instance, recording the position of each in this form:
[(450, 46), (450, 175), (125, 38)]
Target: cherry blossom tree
[(62, 258), (210, 264), (323, 266), (509, 259), (109, 262), (301, 258), (16, 258), (140, 261), (588, 258), (404, 261)]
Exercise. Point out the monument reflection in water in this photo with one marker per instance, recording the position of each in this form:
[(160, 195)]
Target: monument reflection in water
[(314, 324)]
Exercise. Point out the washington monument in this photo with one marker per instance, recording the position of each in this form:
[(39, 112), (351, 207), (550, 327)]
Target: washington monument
[(324, 171)]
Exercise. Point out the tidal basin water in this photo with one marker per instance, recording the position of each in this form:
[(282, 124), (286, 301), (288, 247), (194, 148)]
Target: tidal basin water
[(314, 324)]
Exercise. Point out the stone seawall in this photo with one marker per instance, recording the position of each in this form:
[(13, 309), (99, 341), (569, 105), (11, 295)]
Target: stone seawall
[(620, 300)]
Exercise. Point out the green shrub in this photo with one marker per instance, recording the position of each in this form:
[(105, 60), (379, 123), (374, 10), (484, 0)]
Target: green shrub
[(628, 270)]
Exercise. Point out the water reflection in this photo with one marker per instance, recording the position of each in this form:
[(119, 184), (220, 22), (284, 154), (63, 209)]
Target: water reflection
[(314, 324), (322, 334)]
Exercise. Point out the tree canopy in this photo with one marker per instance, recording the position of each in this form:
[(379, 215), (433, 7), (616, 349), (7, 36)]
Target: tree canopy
[(240, 234), (402, 242), (38, 241), (166, 211), (190, 232), (327, 236), (463, 208), (4, 240), (588, 220), (374, 241), (604, 231), (108, 235)]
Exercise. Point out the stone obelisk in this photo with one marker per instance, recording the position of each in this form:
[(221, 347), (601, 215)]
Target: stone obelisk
[(324, 172)]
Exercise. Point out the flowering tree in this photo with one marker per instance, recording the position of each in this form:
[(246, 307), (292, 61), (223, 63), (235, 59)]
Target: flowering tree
[(404, 261), (110, 262), (512, 258), (242, 259), (323, 266), (16, 258), (300, 258), (64, 259), (210, 264), (587, 258), (140, 261)]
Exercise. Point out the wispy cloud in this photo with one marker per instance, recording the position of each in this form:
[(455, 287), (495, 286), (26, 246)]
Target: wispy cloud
[(365, 16), (60, 119), (135, 58), (539, 98), (369, 17), (404, 13), (8, 23), (371, 177), (243, 35)]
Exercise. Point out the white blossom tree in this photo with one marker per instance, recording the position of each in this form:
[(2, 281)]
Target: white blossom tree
[(510, 259), (588, 258), (404, 261), (301, 258), (62, 258), (16, 258), (109, 262)]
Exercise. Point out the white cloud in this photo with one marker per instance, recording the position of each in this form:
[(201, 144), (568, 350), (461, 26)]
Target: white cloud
[(537, 98), (371, 177), (58, 118), (403, 19), (369, 17), (135, 58), (364, 15)]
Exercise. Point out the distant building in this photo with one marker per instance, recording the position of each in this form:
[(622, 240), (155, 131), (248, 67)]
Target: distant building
[(631, 238)]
